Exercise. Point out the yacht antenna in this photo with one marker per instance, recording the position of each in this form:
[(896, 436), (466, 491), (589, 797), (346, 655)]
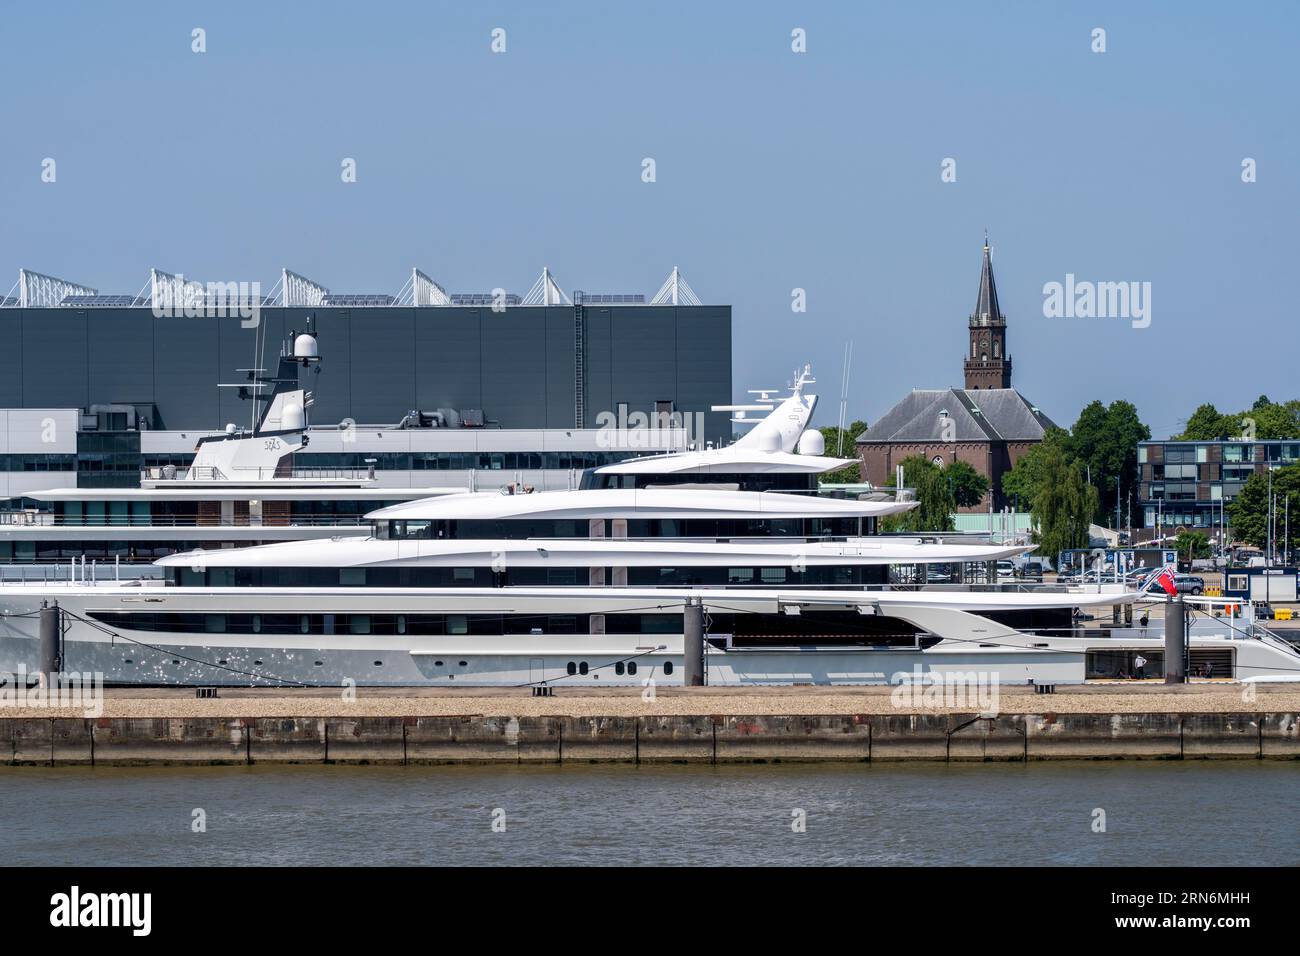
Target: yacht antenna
[(844, 394), (259, 350)]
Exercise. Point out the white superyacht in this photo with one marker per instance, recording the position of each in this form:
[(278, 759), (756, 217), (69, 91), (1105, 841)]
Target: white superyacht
[(589, 587)]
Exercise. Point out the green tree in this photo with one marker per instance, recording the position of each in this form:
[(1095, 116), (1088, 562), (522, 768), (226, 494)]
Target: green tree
[(1206, 424), (1264, 419), (842, 443), (1248, 512), (1022, 482), (933, 494), (1191, 545), (1275, 421), (1064, 503), (968, 486), (1104, 440)]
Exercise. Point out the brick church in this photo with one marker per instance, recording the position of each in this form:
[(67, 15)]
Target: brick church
[(987, 424)]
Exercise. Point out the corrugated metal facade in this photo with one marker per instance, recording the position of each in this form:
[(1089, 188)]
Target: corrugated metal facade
[(517, 366)]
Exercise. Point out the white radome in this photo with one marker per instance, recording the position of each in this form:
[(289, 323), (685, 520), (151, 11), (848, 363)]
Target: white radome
[(812, 442), (305, 346)]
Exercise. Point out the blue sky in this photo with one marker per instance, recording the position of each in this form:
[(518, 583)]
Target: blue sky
[(775, 170)]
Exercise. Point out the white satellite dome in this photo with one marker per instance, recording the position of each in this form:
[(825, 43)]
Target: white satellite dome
[(306, 346), (292, 418), (812, 442), (230, 428)]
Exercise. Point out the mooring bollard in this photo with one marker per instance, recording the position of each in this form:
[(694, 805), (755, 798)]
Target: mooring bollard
[(1175, 640), (50, 632), (694, 643)]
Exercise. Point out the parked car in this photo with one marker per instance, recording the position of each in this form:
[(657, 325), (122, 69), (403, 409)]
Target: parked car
[(1006, 569), (1137, 577), (1189, 583), (1031, 571)]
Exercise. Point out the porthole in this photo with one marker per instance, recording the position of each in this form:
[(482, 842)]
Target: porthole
[(437, 663), (618, 668), (257, 663), (128, 661), (571, 667), (582, 668), (631, 667), (668, 667), (320, 663), (222, 663), (463, 663), (175, 662), (379, 663)]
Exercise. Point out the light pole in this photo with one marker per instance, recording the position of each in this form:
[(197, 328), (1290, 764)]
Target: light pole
[(1268, 521)]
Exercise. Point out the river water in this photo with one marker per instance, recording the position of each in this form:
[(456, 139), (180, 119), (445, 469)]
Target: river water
[(1225, 813)]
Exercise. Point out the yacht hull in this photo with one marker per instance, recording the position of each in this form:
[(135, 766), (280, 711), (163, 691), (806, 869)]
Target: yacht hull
[(102, 636)]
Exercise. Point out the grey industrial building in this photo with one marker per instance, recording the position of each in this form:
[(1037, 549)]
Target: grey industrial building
[(549, 369)]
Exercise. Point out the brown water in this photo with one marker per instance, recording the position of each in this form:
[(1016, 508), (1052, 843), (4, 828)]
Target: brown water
[(1226, 813)]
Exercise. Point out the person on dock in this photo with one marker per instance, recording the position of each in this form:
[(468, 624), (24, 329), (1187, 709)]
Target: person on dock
[(1139, 666)]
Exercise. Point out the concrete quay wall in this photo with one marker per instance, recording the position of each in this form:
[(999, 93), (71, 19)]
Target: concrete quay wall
[(46, 741)]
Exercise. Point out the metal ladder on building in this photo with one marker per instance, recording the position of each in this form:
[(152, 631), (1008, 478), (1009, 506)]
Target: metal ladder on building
[(579, 364)]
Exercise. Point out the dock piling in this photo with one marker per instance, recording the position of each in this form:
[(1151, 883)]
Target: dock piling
[(1175, 640), (694, 645), (50, 631)]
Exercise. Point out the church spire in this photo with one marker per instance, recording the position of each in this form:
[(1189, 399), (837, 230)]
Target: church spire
[(987, 364), (986, 305)]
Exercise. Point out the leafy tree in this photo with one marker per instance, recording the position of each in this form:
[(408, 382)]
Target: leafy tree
[(934, 494), (1104, 440), (842, 443), (1274, 420), (1248, 512), (1191, 545), (968, 486), (1265, 419), (1063, 503), (1206, 424), (1022, 482)]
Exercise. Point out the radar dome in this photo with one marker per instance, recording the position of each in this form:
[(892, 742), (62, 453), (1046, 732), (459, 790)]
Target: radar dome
[(305, 346), (230, 428), (769, 440), (291, 419), (812, 442)]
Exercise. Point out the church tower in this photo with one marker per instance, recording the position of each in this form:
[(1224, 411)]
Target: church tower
[(987, 363)]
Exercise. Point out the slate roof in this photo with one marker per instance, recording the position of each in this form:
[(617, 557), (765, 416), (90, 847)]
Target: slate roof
[(994, 414)]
